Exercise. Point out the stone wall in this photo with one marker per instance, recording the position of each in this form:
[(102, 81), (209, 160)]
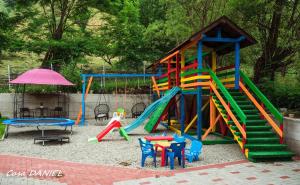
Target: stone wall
[(33, 101), (291, 127)]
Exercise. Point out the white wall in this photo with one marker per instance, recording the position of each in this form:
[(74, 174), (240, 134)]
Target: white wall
[(291, 128), (33, 101)]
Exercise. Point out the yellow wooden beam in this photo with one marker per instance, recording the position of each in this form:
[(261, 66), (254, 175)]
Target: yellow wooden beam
[(175, 130), (155, 86), (195, 118), (199, 77), (211, 127)]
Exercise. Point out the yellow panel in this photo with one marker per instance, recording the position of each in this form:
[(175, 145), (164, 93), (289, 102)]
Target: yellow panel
[(200, 77)]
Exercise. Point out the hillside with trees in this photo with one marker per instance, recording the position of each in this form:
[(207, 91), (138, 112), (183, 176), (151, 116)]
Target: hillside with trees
[(73, 37)]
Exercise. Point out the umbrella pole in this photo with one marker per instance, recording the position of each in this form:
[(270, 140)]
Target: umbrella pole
[(23, 96)]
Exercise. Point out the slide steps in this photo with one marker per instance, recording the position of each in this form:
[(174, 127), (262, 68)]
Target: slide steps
[(262, 143)]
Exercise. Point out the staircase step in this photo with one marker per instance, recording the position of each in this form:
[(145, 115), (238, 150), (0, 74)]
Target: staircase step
[(270, 154), (253, 116), (244, 102), (241, 102), (253, 111), (234, 93), (233, 90), (253, 122), (247, 107), (262, 140), (258, 134), (236, 98), (258, 128), (265, 147), (254, 128)]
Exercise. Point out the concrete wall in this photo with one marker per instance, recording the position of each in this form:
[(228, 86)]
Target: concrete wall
[(291, 128), (33, 101)]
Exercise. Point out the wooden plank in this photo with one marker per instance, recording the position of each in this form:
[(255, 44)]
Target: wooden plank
[(155, 86), (198, 77), (168, 57), (211, 127), (195, 118), (196, 84)]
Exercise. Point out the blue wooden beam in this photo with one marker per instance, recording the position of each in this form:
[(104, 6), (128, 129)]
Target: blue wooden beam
[(237, 65), (199, 92), (222, 39), (83, 101)]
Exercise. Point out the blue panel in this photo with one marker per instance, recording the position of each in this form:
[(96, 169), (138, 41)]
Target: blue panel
[(83, 101), (237, 65), (199, 92)]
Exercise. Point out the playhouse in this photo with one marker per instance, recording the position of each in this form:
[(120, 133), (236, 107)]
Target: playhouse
[(200, 89), (215, 93)]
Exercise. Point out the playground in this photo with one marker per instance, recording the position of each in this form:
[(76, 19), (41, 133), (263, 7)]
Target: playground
[(79, 150), (200, 114)]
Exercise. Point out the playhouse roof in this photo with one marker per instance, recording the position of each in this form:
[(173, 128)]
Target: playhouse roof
[(41, 77), (228, 28)]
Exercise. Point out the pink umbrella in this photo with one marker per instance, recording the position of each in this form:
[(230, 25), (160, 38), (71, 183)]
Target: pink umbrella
[(41, 77)]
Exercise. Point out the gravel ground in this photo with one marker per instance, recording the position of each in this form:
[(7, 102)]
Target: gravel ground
[(113, 150)]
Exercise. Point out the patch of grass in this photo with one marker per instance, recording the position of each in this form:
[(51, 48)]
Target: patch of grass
[(2, 127)]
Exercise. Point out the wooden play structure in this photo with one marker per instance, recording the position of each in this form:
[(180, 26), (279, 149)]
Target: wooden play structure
[(215, 95)]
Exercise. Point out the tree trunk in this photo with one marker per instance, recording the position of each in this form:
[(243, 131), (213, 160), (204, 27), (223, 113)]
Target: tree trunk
[(53, 53), (259, 69)]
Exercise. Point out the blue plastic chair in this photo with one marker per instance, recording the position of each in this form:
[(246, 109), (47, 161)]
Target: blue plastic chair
[(147, 151), (178, 139), (194, 151), (175, 150)]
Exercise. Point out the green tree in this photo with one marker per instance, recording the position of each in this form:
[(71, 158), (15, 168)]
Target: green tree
[(124, 35), (275, 24)]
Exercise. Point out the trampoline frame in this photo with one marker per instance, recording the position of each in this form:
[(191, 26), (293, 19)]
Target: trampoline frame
[(36, 123)]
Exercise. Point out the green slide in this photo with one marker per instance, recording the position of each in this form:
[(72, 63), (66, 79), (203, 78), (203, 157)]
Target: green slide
[(155, 117)]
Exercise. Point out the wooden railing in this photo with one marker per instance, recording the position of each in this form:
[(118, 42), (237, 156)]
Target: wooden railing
[(262, 97), (229, 98), (228, 109), (262, 110)]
